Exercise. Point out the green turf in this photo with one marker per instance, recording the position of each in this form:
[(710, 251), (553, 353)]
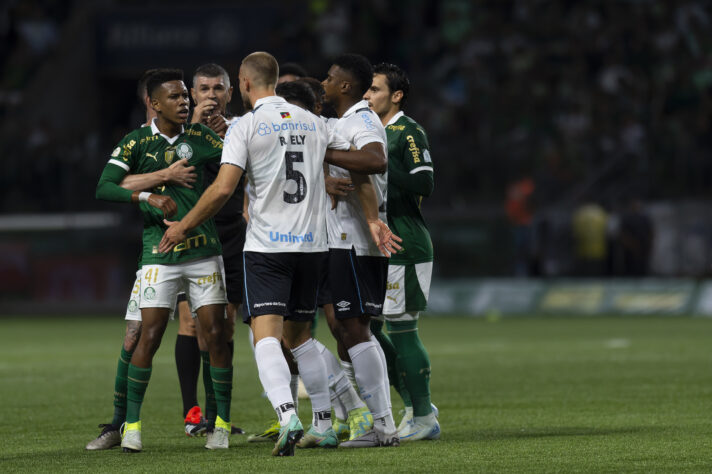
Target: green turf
[(519, 395)]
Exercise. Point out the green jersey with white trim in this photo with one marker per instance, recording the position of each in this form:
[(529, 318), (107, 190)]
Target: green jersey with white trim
[(408, 157), (146, 150)]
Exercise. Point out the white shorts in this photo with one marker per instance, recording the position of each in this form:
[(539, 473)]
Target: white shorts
[(202, 280), (407, 290), (133, 313)]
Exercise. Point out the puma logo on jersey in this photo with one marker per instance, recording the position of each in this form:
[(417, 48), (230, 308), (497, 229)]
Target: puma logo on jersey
[(152, 155)]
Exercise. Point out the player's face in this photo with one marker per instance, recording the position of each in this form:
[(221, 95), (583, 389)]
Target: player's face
[(171, 102), (379, 95), (213, 88), (332, 84)]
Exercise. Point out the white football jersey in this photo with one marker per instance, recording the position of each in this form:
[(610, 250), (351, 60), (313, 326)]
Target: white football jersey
[(346, 225), (281, 148)]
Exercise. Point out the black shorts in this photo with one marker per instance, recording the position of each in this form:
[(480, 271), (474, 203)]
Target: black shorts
[(357, 284), (232, 239), (323, 296), (282, 283)]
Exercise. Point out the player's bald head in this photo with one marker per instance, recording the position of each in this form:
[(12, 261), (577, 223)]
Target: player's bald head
[(261, 68)]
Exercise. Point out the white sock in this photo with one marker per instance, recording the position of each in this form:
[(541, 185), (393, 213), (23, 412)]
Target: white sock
[(369, 376), (294, 388), (348, 369), (384, 365), (343, 395), (312, 369), (274, 375)]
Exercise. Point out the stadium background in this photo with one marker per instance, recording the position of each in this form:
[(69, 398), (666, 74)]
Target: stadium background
[(577, 105)]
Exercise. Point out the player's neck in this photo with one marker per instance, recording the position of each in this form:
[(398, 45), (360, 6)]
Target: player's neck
[(388, 115), (258, 94), (168, 128), (345, 104)]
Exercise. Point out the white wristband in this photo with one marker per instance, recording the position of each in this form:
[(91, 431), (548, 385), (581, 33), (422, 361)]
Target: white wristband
[(143, 197)]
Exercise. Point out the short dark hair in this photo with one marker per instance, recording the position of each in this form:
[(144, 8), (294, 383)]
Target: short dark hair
[(159, 77), (360, 70), (141, 88), (316, 87), (212, 70), (292, 68), (396, 78), (297, 91)]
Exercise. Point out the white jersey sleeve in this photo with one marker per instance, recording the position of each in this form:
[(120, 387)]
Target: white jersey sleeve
[(235, 144)]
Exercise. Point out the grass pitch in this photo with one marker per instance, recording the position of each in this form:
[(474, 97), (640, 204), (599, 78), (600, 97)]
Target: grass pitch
[(515, 395)]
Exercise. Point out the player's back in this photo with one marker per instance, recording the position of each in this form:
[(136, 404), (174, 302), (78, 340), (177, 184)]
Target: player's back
[(281, 147)]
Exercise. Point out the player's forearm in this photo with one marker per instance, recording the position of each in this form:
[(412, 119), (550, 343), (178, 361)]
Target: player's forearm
[(367, 196), (144, 182), (420, 183), (366, 161), (108, 188), (212, 200)]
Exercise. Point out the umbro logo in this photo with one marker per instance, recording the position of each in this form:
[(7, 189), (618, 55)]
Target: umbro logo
[(343, 305)]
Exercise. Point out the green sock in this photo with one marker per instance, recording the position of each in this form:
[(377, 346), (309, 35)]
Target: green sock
[(414, 362), (222, 384), (394, 375), (211, 409), (120, 387), (137, 383)]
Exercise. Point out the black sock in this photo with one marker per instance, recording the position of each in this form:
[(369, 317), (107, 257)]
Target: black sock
[(188, 363)]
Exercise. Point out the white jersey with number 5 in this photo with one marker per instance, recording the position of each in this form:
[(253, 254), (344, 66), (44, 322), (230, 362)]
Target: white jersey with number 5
[(346, 224), (281, 148)]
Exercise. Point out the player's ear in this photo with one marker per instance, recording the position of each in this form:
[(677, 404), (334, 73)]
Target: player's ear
[(192, 94), (396, 97), (345, 87), (155, 105), (229, 94)]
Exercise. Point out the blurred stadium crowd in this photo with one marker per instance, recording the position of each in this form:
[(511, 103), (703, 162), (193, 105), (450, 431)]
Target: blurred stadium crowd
[(602, 101)]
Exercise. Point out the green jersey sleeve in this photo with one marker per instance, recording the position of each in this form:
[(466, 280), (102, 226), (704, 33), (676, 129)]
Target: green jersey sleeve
[(416, 173), (119, 165), (416, 150)]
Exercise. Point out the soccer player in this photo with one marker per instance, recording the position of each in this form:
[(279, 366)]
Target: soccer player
[(281, 150), (211, 93), (410, 178), (178, 174), (194, 264), (358, 294)]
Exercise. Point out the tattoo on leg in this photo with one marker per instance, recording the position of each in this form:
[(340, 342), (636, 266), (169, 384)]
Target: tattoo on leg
[(133, 331)]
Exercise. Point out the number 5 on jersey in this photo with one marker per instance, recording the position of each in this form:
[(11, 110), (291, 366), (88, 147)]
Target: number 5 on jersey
[(291, 157)]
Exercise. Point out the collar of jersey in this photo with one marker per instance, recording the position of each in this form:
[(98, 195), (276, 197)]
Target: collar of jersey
[(362, 104), (170, 140), (267, 100), (395, 118)]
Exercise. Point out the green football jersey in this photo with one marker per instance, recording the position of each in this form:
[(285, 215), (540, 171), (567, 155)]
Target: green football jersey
[(146, 150), (408, 155)]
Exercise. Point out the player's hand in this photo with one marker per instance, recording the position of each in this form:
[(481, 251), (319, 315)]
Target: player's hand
[(173, 235), (181, 174), (336, 187), (164, 203), (203, 110), (218, 124), (386, 240)]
